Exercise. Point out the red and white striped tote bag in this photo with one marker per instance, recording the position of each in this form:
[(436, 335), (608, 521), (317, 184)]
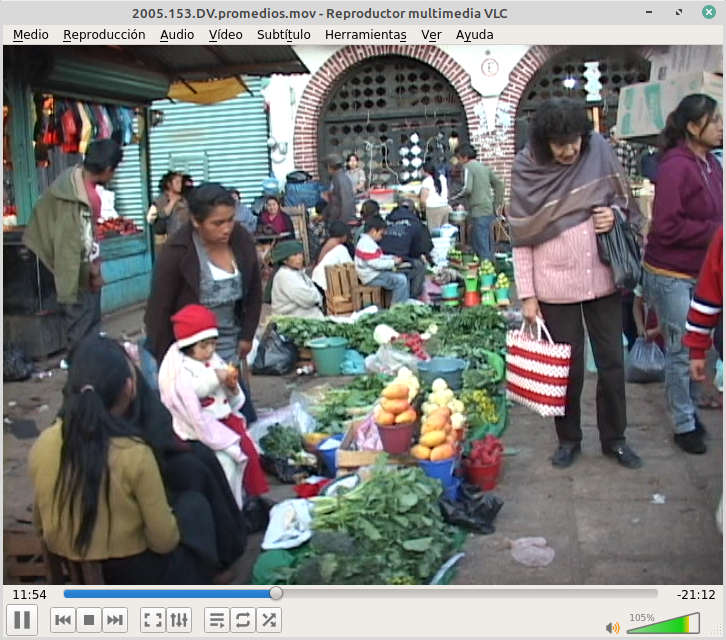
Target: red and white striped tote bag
[(538, 370)]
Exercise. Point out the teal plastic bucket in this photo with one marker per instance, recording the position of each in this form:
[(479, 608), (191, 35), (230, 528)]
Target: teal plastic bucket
[(450, 369), (328, 355), (441, 470), (450, 290)]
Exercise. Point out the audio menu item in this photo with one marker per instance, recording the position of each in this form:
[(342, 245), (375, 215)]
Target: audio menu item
[(62, 620), (21, 620), (115, 620), (153, 620), (269, 620), (88, 620), (690, 624), (179, 620)]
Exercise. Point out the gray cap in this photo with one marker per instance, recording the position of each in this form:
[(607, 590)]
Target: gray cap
[(334, 160)]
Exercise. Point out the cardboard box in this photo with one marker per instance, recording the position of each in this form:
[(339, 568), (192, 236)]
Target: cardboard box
[(643, 108), (348, 460)]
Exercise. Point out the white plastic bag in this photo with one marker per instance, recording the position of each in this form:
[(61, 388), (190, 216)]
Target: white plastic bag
[(388, 361), (645, 363), (289, 525)]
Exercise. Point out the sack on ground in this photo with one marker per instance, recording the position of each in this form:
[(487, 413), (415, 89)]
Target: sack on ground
[(17, 366), (619, 249), (538, 371), (276, 355), (645, 363)]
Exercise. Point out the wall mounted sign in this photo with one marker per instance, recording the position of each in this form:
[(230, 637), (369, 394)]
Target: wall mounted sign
[(490, 67)]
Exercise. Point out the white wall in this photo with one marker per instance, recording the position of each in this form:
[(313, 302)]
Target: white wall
[(284, 92)]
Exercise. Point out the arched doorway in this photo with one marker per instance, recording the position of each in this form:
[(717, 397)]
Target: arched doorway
[(563, 75), (393, 112)]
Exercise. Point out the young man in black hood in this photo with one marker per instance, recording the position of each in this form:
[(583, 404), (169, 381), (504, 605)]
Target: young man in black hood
[(407, 237)]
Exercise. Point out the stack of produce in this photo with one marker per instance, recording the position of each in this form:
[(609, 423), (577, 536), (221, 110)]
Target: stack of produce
[(284, 455), (412, 343), (483, 464), (395, 416), (488, 273), (443, 425), (502, 286), (114, 227)]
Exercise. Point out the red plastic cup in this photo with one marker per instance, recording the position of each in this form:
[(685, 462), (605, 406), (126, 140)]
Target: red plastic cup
[(484, 476), (396, 438)]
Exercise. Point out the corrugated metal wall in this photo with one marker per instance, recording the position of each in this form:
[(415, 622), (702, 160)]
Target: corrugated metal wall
[(225, 142)]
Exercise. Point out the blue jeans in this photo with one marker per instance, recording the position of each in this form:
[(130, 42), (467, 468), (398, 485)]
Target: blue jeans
[(395, 282), (482, 237), (671, 298)]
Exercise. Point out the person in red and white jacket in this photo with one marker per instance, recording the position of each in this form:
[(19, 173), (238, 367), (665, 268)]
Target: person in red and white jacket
[(704, 323)]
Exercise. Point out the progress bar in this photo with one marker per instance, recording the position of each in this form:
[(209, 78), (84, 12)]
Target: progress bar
[(167, 593)]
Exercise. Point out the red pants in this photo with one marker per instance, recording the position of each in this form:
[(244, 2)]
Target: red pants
[(255, 481)]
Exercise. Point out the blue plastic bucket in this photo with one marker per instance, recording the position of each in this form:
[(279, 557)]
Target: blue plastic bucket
[(452, 492), (330, 456), (450, 369), (441, 470)]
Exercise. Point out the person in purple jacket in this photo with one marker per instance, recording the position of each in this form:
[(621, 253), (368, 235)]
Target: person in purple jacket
[(687, 212)]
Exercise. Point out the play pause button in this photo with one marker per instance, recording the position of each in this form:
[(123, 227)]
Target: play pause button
[(115, 620), (62, 619), (22, 620)]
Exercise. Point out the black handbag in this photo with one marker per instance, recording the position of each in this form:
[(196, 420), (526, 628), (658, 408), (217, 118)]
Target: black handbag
[(159, 225), (619, 249)]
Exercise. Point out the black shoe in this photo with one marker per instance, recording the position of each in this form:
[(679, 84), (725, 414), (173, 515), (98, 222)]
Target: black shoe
[(700, 427), (690, 442), (564, 456), (625, 456)]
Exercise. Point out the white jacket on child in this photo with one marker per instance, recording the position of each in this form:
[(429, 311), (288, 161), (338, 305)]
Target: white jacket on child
[(370, 260), (214, 397)]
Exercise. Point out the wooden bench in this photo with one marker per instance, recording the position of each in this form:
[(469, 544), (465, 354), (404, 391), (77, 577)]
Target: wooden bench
[(64, 571), (345, 294)]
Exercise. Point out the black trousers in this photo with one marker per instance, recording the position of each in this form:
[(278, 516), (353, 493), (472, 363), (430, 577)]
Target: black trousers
[(416, 277), (82, 319), (199, 471), (604, 325)]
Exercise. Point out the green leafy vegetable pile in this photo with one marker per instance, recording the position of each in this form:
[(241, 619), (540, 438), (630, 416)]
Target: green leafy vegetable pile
[(339, 406), (390, 531), (281, 441)]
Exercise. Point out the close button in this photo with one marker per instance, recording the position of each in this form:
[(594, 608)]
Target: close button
[(709, 12)]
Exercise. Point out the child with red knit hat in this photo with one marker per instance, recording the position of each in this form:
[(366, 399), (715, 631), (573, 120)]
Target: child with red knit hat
[(215, 384)]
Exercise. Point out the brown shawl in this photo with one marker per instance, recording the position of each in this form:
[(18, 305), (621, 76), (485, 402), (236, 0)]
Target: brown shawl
[(547, 199)]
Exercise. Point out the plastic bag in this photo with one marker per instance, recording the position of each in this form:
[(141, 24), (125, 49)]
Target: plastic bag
[(619, 249), (276, 355), (256, 514), (389, 361), (354, 364), (645, 363), (290, 525), (17, 366), (475, 510), (284, 470), (532, 552)]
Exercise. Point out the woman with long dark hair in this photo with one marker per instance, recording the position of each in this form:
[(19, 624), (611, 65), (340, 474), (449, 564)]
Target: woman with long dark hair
[(170, 211), (99, 493), (687, 212), (567, 187), (434, 197), (212, 262)]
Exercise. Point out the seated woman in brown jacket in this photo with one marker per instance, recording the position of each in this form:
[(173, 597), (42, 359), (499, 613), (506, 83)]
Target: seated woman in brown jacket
[(99, 494)]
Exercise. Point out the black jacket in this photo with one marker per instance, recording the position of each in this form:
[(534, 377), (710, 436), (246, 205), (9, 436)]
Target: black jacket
[(406, 236)]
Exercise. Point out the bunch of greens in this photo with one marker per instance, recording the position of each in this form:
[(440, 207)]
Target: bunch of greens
[(470, 333), (339, 406), (281, 441), (484, 377), (300, 331), (391, 532)]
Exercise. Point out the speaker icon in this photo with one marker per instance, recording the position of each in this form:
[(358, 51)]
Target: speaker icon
[(613, 627)]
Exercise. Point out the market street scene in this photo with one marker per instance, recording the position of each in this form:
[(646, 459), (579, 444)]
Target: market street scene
[(363, 315)]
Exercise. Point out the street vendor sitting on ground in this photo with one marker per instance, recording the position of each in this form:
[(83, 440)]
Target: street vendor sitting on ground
[(374, 268), (204, 397), (290, 290), (407, 237)]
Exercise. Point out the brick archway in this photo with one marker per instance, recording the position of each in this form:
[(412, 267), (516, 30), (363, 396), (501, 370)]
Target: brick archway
[(309, 111), (498, 147)]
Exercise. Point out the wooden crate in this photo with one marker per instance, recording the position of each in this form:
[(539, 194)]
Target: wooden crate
[(23, 555), (339, 292), (349, 460)]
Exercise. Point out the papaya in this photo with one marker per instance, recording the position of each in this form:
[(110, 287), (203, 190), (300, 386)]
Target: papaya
[(441, 411), (420, 452), (407, 416), (396, 392), (437, 422), (395, 406), (451, 439), (385, 419), (442, 452), (427, 428), (433, 439)]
